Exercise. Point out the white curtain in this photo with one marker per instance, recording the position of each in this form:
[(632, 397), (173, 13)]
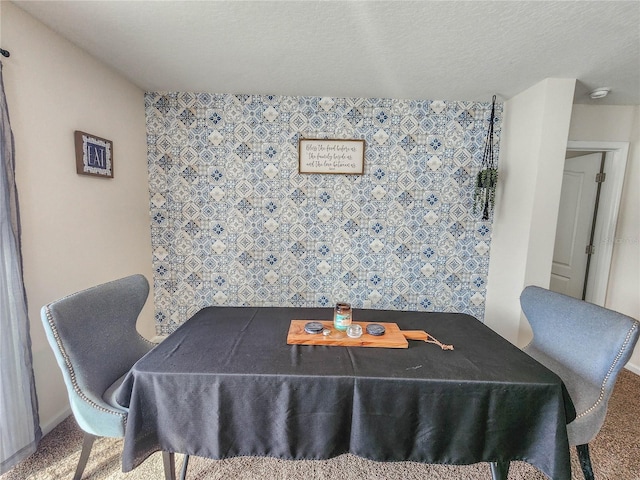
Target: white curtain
[(19, 425)]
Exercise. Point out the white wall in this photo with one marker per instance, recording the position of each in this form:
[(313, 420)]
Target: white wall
[(77, 231), (610, 123), (534, 141)]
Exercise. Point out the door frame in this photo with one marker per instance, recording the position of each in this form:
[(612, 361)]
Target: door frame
[(609, 207)]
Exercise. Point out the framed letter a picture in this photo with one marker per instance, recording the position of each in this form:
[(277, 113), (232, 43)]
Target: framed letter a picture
[(94, 155)]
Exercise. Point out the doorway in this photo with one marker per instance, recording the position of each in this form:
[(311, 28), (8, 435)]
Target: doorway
[(585, 235), (577, 217)]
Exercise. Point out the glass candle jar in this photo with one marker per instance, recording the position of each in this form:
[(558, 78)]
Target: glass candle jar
[(342, 316), (354, 331)]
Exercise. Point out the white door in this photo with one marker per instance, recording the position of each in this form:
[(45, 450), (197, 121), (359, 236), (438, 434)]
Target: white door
[(575, 217)]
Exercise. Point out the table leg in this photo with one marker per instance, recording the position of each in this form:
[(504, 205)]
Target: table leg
[(499, 470), (183, 472), (169, 463)]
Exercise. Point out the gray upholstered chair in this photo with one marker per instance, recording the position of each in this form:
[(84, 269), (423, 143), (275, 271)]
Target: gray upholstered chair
[(93, 336), (586, 346)]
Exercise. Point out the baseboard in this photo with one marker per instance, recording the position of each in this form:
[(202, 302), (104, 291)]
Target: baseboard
[(633, 368), (55, 421)]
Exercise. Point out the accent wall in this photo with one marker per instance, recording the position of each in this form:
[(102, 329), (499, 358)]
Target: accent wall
[(234, 223)]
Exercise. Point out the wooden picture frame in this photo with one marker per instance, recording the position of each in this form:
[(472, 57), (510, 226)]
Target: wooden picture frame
[(94, 155), (332, 156)]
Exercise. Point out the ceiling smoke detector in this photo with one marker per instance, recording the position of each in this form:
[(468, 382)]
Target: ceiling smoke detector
[(600, 92)]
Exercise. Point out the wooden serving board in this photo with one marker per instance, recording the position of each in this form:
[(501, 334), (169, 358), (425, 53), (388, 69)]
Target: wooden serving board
[(393, 337)]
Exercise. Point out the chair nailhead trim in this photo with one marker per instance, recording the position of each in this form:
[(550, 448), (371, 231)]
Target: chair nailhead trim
[(613, 364), (72, 373)]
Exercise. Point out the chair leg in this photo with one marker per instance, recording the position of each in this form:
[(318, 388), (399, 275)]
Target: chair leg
[(183, 472), (87, 443), (499, 470), (169, 463), (585, 461)]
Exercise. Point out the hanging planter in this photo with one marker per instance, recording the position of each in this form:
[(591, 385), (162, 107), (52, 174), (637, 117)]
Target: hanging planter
[(487, 179)]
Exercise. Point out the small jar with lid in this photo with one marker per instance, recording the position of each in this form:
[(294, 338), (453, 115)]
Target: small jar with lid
[(342, 316)]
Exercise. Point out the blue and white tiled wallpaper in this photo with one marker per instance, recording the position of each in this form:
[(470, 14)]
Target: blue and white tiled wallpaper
[(234, 223)]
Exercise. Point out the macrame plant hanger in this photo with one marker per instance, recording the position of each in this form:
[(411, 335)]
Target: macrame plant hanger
[(485, 192)]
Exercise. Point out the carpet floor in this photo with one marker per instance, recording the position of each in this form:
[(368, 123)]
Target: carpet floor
[(615, 454)]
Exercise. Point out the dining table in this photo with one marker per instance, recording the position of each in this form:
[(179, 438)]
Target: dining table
[(226, 383)]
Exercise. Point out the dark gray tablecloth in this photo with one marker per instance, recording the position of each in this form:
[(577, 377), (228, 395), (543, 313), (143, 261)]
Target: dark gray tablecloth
[(227, 384)]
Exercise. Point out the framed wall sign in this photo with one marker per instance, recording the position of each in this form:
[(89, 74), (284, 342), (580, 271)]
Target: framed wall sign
[(331, 156), (94, 155)]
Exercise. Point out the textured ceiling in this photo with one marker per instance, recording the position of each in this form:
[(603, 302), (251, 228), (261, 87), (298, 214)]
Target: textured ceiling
[(451, 50)]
